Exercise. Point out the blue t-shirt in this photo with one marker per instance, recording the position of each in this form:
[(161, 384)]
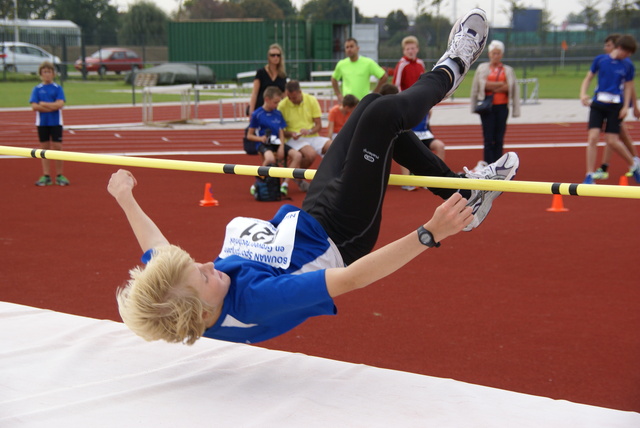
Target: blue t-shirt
[(50, 93), (277, 271), (261, 120), (612, 75)]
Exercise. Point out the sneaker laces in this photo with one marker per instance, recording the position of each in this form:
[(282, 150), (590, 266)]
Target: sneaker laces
[(479, 174), (462, 49)]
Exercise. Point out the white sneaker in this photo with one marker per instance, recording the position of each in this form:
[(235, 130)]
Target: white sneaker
[(466, 42), (480, 166), (504, 168)]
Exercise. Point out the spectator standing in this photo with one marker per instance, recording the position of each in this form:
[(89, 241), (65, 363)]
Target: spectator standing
[(339, 114), (409, 69), (499, 80), (272, 74), (602, 173), (47, 100), (355, 72), (610, 103)]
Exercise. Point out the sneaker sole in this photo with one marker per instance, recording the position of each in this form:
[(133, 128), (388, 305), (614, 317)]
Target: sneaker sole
[(512, 164)]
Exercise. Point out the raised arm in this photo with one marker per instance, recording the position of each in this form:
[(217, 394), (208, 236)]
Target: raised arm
[(449, 218), (148, 234)]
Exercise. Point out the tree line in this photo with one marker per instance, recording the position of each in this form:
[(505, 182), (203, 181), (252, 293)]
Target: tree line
[(144, 23)]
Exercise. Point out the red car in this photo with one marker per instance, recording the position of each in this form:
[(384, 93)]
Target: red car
[(111, 59)]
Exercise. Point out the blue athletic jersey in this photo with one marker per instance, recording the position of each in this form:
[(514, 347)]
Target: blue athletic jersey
[(261, 120), (612, 75), (277, 271), (48, 93)]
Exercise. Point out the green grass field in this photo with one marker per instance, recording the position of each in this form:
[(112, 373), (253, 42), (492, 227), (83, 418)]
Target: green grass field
[(554, 83)]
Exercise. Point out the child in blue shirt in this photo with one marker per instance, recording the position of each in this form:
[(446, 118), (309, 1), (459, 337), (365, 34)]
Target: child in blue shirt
[(610, 103), (266, 128), (270, 276), (47, 100)]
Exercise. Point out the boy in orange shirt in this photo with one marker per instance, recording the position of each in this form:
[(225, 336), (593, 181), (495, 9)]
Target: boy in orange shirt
[(339, 114)]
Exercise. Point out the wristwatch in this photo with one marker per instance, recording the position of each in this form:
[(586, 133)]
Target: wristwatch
[(426, 238)]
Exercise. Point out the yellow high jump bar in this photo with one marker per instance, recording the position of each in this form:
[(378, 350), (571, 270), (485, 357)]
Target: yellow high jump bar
[(545, 188)]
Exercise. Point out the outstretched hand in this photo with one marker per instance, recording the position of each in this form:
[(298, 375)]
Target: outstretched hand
[(450, 217), (121, 183)]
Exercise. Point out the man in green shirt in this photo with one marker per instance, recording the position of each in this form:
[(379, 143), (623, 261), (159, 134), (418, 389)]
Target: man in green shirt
[(355, 72)]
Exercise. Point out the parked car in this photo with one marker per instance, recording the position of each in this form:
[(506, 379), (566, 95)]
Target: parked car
[(24, 58), (111, 59)]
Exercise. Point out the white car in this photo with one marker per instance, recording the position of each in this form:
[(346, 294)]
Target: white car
[(24, 57)]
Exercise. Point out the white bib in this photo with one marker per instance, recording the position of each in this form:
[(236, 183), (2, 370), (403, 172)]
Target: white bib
[(260, 241), (608, 98)]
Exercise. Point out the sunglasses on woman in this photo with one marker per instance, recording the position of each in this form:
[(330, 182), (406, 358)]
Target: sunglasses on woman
[(274, 54)]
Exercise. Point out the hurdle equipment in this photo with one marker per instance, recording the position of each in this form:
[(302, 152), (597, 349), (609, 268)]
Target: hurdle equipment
[(208, 200), (544, 188), (184, 91)]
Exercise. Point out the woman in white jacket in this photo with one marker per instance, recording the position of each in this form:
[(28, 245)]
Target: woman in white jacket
[(498, 80)]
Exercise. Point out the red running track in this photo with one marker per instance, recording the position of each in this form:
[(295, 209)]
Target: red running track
[(535, 302)]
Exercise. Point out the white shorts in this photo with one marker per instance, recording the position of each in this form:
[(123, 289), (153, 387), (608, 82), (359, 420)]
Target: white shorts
[(317, 143)]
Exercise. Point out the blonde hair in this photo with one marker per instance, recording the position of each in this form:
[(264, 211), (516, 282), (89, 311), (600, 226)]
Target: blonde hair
[(496, 44), (156, 303), (410, 39), (282, 72), (46, 65)]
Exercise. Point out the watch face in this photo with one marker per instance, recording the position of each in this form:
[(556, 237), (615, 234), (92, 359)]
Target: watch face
[(425, 238)]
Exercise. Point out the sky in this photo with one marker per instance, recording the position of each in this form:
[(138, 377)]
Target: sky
[(494, 8)]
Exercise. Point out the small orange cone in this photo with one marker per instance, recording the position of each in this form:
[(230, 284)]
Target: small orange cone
[(208, 200), (556, 205), (624, 180)]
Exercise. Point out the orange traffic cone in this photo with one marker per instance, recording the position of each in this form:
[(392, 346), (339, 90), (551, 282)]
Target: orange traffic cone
[(624, 180), (556, 205), (208, 200)]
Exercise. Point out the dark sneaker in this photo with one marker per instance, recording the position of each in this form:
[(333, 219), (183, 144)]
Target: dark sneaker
[(504, 168), (45, 180), (61, 180), (466, 42)]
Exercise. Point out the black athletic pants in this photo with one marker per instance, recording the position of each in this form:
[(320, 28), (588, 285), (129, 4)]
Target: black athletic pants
[(348, 189)]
